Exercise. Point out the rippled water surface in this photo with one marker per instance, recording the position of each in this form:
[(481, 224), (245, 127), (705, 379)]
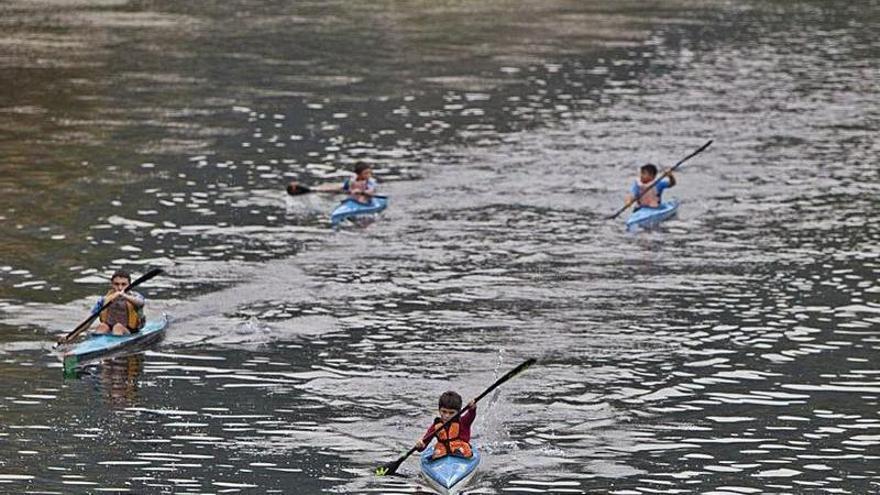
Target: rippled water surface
[(732, 351)]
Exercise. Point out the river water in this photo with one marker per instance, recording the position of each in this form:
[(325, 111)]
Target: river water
[(733, 351)]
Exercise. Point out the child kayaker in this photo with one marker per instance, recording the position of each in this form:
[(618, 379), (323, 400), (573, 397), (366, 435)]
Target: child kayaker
[(651, 197), (126, 313), (455, 438), (362, 185), (359, 187)]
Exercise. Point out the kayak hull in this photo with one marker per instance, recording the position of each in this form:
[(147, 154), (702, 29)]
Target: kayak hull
[(351, 208), (101, 346), (646, 218), (449, 474)]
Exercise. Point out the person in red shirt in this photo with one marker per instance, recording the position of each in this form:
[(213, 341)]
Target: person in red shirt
[(455, 438)]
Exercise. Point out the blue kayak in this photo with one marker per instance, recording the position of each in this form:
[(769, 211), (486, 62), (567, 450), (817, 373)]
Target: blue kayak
[(449, 474), (647, 218), (351, 208), (102, 346)]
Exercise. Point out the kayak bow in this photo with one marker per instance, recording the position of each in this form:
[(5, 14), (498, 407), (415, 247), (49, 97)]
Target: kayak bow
[(449, 474), (351, 208), (647, 218), (101, 346)]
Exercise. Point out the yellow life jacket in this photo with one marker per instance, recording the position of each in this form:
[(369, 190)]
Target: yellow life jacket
[(134, 316), (448, 442)]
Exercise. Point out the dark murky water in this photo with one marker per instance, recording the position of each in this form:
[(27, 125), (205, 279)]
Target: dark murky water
[(732, 352)]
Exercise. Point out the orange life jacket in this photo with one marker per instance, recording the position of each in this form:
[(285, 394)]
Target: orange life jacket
[(448, 442), (650, 197), (134, 315)]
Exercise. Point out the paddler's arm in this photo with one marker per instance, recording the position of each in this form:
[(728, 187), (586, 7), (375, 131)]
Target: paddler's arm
[(98, 305), (425, 440), (330, 187), (671, 178), (633, 192), (468, 416), (370, 190), (134, 298)]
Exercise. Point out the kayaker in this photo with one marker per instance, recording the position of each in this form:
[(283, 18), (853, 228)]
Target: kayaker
[(652, 197), (360, 187), (455, 438), (126, 314)]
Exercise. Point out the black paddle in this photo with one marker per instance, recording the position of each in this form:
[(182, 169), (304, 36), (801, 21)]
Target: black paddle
[(84, 325), (657, 180), (295, 189), (391, 468)]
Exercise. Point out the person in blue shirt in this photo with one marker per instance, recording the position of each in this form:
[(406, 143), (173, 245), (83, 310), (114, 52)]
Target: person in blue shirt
[(361, 187), (650, 198)]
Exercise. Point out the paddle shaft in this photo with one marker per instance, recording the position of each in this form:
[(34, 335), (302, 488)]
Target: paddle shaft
[(510, 374), (295, 189), (657, 180), (85, 324), (300, 190), (380, 196)]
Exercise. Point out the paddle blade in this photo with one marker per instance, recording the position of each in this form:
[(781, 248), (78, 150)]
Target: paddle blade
[(295, 189), (507, 376), (512, 373), (388, 469), (147, 276), (522, 367)]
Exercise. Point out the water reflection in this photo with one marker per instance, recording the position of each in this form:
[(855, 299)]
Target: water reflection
[(116, 380), (168, 144), (728, 352)]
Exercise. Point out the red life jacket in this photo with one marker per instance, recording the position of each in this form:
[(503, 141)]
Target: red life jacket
[(448, 441), (650, 197)]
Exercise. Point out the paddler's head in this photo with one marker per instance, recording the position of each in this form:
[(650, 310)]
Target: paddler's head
[(363, 171), (450, 403), (120, 280), (647, 173)]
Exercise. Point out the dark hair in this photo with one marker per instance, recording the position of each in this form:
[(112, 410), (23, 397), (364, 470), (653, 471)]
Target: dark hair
[(450, 400), (650, 168), (121, 273), (360, 167)]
